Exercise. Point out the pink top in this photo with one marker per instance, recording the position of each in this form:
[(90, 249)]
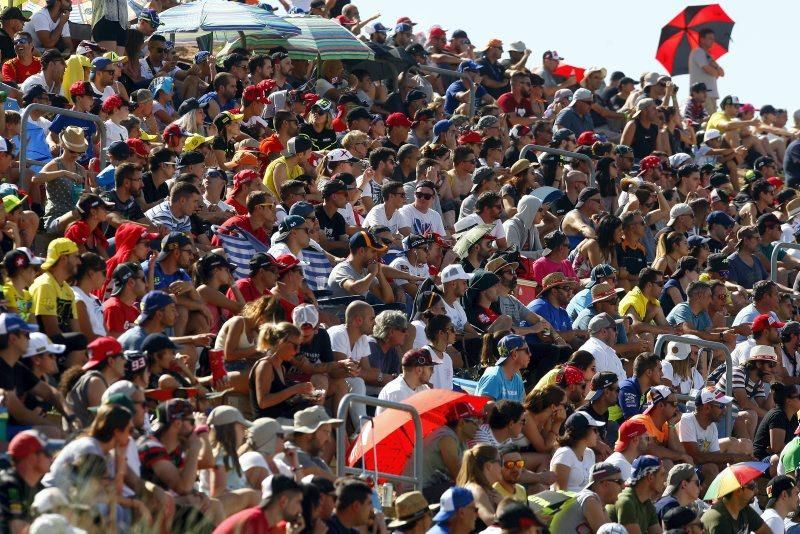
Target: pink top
[(544, 266)]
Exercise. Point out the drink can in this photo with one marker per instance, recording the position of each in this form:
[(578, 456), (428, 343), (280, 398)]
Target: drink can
[(216, 358), (387, 495)]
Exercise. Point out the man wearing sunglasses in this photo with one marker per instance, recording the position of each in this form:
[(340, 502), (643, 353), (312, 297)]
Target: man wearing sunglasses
[(21, 64), (512, 465), (732, 513), (588, 513), (660, 409)]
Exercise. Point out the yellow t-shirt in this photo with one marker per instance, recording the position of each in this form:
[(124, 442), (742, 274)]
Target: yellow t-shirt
[(548, 379), (519, 495), (52, 298), (18, 303), (715, 119), (292, 172), (638, 300)]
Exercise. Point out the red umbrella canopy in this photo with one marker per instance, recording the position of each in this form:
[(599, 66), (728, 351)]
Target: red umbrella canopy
[(682, 35), (566, 71), (392, 432)]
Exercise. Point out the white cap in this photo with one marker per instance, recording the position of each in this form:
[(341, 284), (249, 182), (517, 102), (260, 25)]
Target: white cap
[(252, 459), (454, 272), (53, 524), (711, 394), (340, 154), (39, 344), (677, 210), (710, 134), (676, 161), (678, 351), (612, 528), (517, 46), (125, 387), (33, 258), (49, 499), (305, 314), (581, 94)]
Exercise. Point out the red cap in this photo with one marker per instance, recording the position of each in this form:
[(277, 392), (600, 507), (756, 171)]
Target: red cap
[(112, 103), (173, 130), (649, 163), (253, 93), (137, 146), (764, 321), (627, 431), (24, 444), (461, 410), (437, 32), (242, 177), (80, 88), (267, 85), (775, 182), (398, 119), (344, 21), (469, 137), (286, 262), (571, 375), (148, 236), (587, 138), (100, 350), (405, 20)]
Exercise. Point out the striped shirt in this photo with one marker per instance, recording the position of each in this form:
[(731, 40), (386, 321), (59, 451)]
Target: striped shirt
[(162, 215), (753, 389)]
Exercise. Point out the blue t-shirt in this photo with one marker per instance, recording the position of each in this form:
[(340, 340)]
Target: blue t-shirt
[(163, 280), (493, 383), (579, 302), (132, 339), (666, 301), (105, 178), (682, 313), (558, 317), (743, 274), (791, 163), (450, 100), (630, 397), (568, 118), (89, 129)]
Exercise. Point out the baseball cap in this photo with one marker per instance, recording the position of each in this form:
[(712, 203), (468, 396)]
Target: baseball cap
[(171, 410), (174, 130), (627, 431), (302, 208), (678, 351), (507, 345), (151, 16), (678, 474), (711, 394), (601, 321), (340, 154), (488, 121), (287, 262), (603, 471), (518, 131), (364, 239), (19, 258), (720, 217), (333, 187), (480, 175), (469, 66), (262, 260), (730, 100), (90, 200), (157, 342), (711, 134), (287, 225), (461, 410), (30, 442), (226, 415), (452, 501), (191, 157), (443, 126), (398, 119), (101, 349), (226, 117), (551, 54), (39, 343), (99, 63), (778, 485), (655, 395), (602, 270), (151, 303), (172, 241), (643, 466), (585, 195), (305, 314), (58, 248), (122, 273), (678, 210), (418, 358), (194, 141), (581, 421), (764, 321), (135, 361), (600, 382), (581, 95), (642, 105), (518, 517), (137, 147), (413, 241), (453, 272), (13, 13)]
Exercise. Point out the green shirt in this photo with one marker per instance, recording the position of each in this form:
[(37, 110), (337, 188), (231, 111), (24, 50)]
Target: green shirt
[(718, 520), (629, 509), (790, 456)]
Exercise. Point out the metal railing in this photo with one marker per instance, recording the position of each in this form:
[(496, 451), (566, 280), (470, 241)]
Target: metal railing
[(23, 158), (342, 469), (773, 260), (560, 152), (712, 345)]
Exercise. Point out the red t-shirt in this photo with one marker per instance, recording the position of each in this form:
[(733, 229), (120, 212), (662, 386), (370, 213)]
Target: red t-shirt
[(78, 232), (243, 222), (118, 316), (288, 306), (249, 521), (509, 105), (248, 289), (15, 71), (486, 317), (240, 208)]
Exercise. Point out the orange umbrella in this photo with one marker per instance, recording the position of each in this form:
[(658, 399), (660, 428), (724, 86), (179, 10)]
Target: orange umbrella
[(391, 433)]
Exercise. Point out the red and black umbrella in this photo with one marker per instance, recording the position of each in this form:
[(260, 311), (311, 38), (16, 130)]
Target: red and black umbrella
[(682, 34)]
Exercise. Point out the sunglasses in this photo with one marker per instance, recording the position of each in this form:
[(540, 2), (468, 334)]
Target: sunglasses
[(511, 464), (426, 196)]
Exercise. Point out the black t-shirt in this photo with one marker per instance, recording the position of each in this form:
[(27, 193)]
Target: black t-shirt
[(130, 210), (715, 246), (334, 227), (562, 206), (588, 408), (150, 191), (775, 418), (386, 142), (19, 379), (6, 46), (632, 259), (324, 140), (16, 498), (318, 350), (226, 146)]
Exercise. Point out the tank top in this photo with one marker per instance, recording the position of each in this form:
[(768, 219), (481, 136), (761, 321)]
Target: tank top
[(575, 240), (282, 409), (432, 464), (78, 398), (644, 140)]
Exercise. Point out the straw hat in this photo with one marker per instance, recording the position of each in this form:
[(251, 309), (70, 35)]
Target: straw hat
[(73, 139)]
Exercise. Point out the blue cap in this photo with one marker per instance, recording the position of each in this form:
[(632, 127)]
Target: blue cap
[(150, 15), (201, 56), (563, 133), (643, 466), (469, 65), (99, 63), (287, 225), (507, 345), (11, 322), (378, 27), (441, 127), (720, 217), (698, 240), (302, 208), (151, 303), (452, 501), (8, 189), (603, 271), (403, 27)]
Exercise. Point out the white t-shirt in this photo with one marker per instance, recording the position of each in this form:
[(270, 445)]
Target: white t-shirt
[(397, 391), (773, 521), (147, 73), (401, 263), (41, 22), (423, 223), (683, 385), (348, 214), (114, 132), (457, 315), (579, 469), (618, 459), (420, 339), (442, 377), (741, 352), (377, 217), (38, 79), (94, 309), (498, 232), (341, 343), (605, 358), (689, 430)]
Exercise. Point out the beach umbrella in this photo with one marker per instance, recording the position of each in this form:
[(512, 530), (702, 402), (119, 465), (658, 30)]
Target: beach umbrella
[(391, 433), (222, 15), (681, 35), (319, 37), (82, 10), (565, 71), (734, 477)]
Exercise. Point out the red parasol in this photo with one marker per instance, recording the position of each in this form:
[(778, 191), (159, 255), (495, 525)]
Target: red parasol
[(681, 35), (564, 70), (393, 433)]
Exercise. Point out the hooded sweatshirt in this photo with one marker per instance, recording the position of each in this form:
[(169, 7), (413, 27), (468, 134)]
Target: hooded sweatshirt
[(520, 230), (125, 239)]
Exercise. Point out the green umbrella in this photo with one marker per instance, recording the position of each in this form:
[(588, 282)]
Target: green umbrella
[(319, 37), (549, 502), (466, 240)]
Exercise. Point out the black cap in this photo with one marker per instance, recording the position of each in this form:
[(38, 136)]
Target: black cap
[(415, 94), (767, 220), (482, 174), (716, 262), (518, 517), (90, 200), (13, 13), (585, 195), (356, 113), (776, 486), (156, 342), (762, 162), (261, 260), (119, 149), (459, 34), (416, 49), (679, 517), (333, 187), (192, 157), (213, 260), (696, 88), (172, 241), (34, 91), (345, 177), (718, 179), (122, 273), (191, 104), (135, 362)]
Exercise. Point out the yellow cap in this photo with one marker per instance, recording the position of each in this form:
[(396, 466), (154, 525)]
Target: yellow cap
[(195, 140), (56, 249), (116, 58), (11, 201), (144, 136)]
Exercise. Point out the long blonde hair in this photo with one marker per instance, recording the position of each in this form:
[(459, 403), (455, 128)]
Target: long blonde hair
[(271, 334), (682, 368), (472, 465)]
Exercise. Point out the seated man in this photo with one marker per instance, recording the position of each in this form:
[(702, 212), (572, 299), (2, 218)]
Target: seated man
[(362, 273), (642, 306), (417, 371), (664, 442), (634, 508), (312, 434), (503, 381)]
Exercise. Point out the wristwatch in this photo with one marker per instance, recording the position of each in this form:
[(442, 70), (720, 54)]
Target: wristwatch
[(380, 377)]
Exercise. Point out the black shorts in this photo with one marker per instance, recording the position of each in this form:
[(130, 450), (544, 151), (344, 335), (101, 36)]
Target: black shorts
[(108, 30)]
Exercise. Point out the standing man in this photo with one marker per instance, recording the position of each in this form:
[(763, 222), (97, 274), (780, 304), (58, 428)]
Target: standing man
[(703, 68)]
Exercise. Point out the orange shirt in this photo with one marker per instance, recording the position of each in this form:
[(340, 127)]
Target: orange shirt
[(660, 435)]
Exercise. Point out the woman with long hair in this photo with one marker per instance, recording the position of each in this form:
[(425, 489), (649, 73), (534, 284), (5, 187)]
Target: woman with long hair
[(523, 180), (680, 369), (480, 470), (163, 108), (270, 394), (602, 249), (213, 276), (574, 457), (778, 426), (87, 231), (427, 304), (582, 359), (133, 244), (226, 481), (441, 333), (318, 126), (89, 278), (674, 291), (20, 272), (606, 174), (546, 411), (675, 247), (489, 353)]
